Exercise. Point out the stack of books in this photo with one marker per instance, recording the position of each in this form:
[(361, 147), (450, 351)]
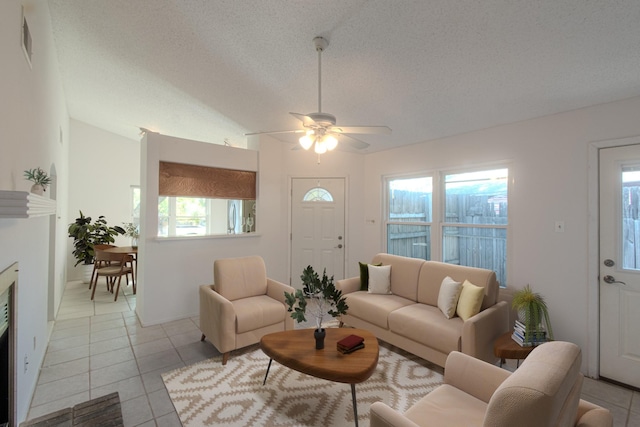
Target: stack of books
[(350, 344), (528, 338)]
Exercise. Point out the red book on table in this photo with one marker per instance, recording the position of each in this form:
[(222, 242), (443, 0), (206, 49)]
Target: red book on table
[(350, 342)]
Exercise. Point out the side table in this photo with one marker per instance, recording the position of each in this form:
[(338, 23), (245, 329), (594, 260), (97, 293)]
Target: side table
[(506, 348)]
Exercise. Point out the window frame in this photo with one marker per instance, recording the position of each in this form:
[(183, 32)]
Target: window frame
[(438, 224)]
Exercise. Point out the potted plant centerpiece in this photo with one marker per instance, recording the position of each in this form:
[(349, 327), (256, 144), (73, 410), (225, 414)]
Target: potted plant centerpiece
[(326, 300), (40, 180), (132, 230), (533, 314), (87, 234)]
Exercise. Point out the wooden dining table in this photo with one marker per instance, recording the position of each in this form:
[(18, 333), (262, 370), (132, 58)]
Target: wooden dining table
[(129, 250)]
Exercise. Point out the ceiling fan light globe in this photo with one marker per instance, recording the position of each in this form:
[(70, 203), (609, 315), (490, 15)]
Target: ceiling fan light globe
[(306, 142), (320, 147), (331, 142)]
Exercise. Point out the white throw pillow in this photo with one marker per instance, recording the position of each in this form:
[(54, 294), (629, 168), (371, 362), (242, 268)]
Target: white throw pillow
[(448, 296), (379, 279)]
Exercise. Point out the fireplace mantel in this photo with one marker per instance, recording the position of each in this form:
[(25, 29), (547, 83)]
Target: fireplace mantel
[(22, 204)]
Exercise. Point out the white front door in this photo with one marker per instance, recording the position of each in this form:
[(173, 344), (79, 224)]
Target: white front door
[(317, 227), (620, 264)]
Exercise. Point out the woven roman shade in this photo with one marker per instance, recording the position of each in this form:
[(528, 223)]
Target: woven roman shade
[(183, 180)]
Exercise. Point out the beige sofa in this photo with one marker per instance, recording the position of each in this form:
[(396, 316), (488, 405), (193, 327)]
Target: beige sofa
[(242, 305), (409, 317), (544, 391)]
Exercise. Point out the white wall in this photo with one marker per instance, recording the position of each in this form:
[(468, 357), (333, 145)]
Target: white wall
[(171, 269), (549, 158), (102, 168), (34, 124)]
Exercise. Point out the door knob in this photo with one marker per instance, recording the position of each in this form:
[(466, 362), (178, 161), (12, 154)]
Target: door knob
[(611, 280)]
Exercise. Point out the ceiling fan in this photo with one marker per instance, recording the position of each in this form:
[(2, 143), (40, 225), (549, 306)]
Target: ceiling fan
[(319, 128)]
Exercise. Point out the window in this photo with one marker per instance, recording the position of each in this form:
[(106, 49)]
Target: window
[(135, 205), (191, 216), (474, 231), (631, 218), (198, 200), (471, 211), (410, 216), (318, 194)]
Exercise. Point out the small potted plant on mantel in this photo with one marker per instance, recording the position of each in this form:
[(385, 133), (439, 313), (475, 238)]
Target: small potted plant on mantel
[(40, 180), (326, 300), (87, 234)]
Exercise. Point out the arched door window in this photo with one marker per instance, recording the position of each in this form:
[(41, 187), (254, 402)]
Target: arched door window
[(318, 194)]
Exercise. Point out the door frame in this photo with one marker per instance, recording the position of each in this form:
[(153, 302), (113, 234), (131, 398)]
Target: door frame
[(593, 263), (290, 178)]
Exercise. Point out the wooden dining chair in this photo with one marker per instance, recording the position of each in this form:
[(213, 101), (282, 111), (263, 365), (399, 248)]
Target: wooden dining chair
[(115, 266), (98, 264)]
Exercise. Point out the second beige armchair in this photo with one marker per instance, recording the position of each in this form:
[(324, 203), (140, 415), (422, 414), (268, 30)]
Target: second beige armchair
[(242, 305)]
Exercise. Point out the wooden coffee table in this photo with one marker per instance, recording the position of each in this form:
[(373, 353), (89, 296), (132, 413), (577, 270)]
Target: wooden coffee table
[(296, 350)]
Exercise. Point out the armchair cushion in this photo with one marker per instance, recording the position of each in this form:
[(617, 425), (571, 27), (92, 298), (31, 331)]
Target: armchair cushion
[(256, 312), (236, 278)]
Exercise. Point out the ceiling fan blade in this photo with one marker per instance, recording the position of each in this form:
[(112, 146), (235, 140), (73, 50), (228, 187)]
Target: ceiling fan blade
[(384, 130), (270, 132), (352, 142), (306, 120)]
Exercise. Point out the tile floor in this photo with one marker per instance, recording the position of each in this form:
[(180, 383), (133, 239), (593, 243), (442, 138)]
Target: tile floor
[(98, 347)]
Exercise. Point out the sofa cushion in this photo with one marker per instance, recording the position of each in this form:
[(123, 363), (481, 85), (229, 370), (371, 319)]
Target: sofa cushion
[(448, 296), (404, 276), (470, 300), (257, 312), (374, 308), (544, 391), (364, 275), (426, 324), (379, 279)]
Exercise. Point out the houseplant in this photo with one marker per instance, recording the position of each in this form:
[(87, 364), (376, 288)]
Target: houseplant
[(328, 300), (532, 310), (39, 178), (86, 234), (132, 230)]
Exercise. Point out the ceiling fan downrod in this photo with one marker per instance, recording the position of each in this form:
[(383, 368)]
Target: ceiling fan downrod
[(321, 44)]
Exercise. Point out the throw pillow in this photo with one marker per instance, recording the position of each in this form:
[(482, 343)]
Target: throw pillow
[(379, 279), (470, 300), (448, 296), (364, 275)]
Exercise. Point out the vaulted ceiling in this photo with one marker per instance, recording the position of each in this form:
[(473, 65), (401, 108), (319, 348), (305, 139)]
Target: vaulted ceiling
[(212, 70)]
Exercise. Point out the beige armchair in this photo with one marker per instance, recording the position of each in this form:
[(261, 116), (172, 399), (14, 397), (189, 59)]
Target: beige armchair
[(242, 305), (544, 391)]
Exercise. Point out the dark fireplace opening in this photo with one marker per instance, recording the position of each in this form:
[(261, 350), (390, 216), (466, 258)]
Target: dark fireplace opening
[(8, 283), (4, 378)]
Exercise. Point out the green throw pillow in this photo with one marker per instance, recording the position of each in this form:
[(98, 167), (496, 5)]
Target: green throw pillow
[(364, 275)]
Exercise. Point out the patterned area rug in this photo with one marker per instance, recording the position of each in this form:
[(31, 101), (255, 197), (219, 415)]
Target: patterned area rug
[(209, 394)]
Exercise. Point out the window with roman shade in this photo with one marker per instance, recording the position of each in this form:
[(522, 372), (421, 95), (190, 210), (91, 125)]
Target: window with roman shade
[(199, 200)]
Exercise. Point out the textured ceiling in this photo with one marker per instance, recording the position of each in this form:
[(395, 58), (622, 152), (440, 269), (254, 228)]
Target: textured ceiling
[(212, 70)]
